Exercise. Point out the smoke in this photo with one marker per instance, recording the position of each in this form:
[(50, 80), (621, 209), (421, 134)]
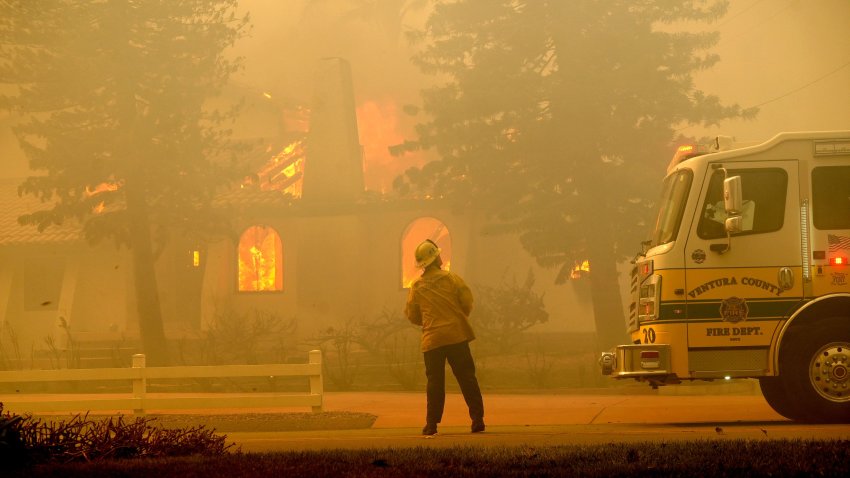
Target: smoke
[(789, 58), (289, 39), (785, 57)]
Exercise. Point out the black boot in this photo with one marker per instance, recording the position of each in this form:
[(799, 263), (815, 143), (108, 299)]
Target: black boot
[(477, 425), (429, 429)]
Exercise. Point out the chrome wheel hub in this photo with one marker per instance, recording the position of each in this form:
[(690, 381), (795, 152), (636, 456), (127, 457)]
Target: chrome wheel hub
[(830, 372)]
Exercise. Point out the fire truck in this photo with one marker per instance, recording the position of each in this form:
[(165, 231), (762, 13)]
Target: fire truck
[(746, 274)]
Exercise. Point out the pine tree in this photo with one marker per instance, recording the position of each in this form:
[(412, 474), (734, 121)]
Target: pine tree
[(557, 117), (116, 130)]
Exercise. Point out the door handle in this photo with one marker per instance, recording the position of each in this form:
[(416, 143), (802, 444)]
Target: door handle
[(786, 278)]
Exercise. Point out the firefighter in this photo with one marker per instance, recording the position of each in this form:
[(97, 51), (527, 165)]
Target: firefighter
[(440, 302)]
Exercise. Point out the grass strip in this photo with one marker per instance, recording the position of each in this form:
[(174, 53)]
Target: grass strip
[(705, 458)]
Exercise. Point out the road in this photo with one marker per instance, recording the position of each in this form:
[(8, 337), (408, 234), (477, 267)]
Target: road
[(546, 420)]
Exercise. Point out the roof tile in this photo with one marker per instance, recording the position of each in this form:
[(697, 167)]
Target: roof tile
[(12, 206)]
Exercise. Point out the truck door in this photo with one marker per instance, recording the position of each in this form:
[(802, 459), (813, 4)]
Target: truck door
[(736, 298)]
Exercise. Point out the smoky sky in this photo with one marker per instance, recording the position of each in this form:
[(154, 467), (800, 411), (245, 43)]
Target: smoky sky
[(791, 57), (784, 56)]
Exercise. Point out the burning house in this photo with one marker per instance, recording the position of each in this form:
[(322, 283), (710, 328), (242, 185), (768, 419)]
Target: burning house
[(309, 243)]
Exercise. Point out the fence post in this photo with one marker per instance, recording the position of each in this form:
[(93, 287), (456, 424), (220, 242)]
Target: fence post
[(140, 383), (316, 386)]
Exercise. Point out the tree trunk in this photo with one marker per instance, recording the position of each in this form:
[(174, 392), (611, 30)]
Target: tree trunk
[(147, 295), (606, 298), (581, 116)]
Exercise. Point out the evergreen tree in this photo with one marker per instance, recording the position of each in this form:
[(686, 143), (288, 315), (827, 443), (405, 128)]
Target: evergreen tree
[(557, 117), (116, 129)]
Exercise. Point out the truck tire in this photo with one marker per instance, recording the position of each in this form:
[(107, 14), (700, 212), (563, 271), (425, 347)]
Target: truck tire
[(816, 370), (780, 400)]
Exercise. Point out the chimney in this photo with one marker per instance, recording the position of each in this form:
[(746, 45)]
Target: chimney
[(333, 167)]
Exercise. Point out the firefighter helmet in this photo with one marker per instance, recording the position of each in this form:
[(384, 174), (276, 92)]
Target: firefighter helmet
[(426, 253)]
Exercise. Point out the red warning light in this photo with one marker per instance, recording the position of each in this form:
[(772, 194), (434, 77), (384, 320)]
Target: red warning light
[(838, 261), (646, 269)]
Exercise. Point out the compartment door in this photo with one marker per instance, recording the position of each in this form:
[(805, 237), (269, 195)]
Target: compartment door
[(737, 298)]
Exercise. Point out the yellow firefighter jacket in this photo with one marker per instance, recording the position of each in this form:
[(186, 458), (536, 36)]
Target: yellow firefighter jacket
[(440, 302)]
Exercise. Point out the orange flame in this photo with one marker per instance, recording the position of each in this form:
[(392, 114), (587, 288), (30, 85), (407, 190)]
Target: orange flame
[(260, 260), (283, 171), (102, 187), (580, 269)]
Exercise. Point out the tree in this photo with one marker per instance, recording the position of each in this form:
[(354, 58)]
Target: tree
[(114, 93), (556, 118)]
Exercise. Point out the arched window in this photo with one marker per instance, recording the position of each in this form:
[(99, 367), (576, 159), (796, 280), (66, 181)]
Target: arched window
[(416, 232), (260, 260)]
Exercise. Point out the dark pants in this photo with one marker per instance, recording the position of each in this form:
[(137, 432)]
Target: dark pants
[(460, 359)]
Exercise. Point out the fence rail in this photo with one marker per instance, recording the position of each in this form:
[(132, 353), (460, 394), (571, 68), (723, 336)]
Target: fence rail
[(141, 400)]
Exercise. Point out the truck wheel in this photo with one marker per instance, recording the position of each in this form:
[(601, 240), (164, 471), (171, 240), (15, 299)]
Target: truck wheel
[(777, 396), (818, 370)]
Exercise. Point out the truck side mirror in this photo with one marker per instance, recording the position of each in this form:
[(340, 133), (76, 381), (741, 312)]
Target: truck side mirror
[(733, 202), (732, 196), (734, 224)]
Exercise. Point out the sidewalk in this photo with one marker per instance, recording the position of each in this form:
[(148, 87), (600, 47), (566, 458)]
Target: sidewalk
[(553, 419), (405, 410)]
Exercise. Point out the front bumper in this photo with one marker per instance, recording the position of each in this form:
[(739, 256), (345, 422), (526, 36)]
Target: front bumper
[(642, 361)]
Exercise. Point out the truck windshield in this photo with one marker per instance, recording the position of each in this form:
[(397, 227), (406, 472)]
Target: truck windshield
[(674, 194)]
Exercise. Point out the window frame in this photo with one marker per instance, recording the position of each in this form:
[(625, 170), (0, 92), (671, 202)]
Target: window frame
[(817, 220), (668, 199), (278, 265), (701, 233)]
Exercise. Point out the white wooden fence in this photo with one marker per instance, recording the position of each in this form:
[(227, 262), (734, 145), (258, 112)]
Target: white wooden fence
[(141, 400)]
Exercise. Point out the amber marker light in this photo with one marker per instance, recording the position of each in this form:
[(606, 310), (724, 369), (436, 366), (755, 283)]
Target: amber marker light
[(682, 153)]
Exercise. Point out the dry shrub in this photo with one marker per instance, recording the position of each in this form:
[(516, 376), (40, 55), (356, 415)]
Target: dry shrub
[(81, 438), (504, 312)]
